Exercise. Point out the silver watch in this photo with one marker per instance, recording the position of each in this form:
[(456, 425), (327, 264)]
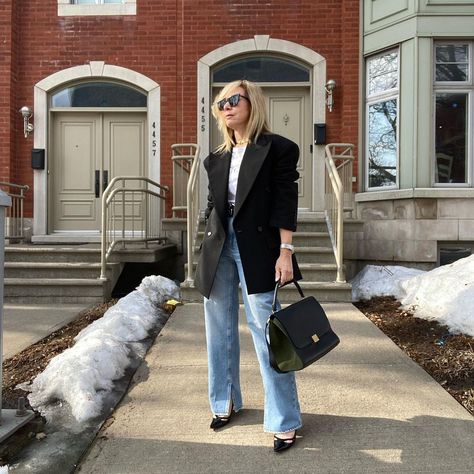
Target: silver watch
[(288, 247)]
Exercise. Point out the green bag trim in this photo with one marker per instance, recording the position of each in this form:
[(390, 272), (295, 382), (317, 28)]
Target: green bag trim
[(283, 351)]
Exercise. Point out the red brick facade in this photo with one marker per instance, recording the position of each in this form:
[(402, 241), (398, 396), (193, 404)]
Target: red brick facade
[(164, 41)]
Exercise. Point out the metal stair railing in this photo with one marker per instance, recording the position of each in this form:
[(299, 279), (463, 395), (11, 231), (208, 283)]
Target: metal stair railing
[(183, 156), (130, 214), (192, 212), (14, 229), (338, 160)]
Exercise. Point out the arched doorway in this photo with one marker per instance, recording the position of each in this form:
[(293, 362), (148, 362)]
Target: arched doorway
[(293, 79), (97, 132), (95, 122), (287, 88)]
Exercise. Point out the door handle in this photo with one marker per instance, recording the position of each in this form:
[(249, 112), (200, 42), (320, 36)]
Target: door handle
[(105, 180), (97, 183)]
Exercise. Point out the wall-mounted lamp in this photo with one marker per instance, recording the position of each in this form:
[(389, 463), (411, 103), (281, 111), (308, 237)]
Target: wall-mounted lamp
[(330, 86), (27, 126)]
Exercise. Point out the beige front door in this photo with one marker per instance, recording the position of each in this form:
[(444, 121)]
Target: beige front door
[(289, 112), (88, 150)]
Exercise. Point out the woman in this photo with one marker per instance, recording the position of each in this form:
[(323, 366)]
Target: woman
[(251, 216)]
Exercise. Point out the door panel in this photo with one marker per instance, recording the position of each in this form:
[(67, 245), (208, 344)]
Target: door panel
[(76, 156), (87, 147), (124, 142), (290, 115)]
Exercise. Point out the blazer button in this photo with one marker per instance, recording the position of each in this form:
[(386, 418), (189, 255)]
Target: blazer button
[(209, 233), (260, 228)]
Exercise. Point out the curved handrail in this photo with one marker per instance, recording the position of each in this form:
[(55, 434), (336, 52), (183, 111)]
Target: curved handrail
[(147, 216), (183, 156), (338, 183), (192, 217)]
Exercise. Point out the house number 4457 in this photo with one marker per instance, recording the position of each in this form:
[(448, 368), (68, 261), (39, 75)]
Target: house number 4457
[(153, 139)]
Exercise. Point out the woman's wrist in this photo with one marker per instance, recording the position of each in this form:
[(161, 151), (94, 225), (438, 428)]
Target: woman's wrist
[(287, 248)]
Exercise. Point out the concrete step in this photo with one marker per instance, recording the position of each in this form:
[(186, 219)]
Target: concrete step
[(48, 253), (70, 274), (322, 272), (314, 224), (55, 290), (50, 270), (174, 223), (312, 239), (304, 255), (322, 291), (88, 253), (314, 254)]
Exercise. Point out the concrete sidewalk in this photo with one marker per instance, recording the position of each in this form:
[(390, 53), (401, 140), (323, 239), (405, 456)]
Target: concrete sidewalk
[(367, 408), (25, 324)]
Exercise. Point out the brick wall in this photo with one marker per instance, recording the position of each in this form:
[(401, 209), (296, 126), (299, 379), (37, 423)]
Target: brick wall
[(6, 88), (164, 41)]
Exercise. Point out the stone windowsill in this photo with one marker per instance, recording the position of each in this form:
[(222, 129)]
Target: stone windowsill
[(65, 8), (415, 193)]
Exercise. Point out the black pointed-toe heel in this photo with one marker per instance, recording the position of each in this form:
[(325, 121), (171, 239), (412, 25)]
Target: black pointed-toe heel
[(280, 444), (220, 421)]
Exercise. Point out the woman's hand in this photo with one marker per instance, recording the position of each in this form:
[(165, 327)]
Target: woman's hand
[(284, 264), (284, 267)]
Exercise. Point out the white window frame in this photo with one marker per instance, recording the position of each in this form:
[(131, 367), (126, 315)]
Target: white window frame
[(389, 94), (68, 8), (461, 87)]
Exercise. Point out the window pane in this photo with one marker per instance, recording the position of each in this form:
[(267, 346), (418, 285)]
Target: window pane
[(99, 94), (451, 72), (382, 141), (452, 53), (452, 62), (451, 141), (261, 70), (382, 73)]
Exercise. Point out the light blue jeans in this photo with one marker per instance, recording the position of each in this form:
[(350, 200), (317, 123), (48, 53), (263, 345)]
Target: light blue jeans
[(282, 410)]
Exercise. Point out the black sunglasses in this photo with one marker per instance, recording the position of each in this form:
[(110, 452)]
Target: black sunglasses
[(233, 101)]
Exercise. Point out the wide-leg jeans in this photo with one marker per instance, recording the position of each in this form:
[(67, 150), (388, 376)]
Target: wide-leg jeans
[(282, 410)]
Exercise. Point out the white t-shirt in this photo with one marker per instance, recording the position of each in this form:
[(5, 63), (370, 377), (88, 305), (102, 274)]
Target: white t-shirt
[(236, 161)]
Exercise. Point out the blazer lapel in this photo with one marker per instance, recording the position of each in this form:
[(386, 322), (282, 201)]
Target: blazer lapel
[(254, 157), (219, 168)]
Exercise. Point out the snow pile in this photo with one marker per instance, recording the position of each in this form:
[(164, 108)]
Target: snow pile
[(445, 294), (381, 281), (84, 374)]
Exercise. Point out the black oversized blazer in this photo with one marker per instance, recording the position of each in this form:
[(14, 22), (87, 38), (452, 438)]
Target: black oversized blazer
[(266, 200)]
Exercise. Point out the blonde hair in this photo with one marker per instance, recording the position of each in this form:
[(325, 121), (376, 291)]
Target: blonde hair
[(258, 121)]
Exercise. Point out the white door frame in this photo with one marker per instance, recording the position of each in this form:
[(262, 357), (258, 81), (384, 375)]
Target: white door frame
[(93, 70), (265, 44)]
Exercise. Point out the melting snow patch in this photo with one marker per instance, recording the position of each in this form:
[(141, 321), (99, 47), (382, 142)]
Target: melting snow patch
[(84, 374), (445, 294)]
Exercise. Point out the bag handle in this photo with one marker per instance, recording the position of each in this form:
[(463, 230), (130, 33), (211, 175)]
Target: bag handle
[(275, 293)]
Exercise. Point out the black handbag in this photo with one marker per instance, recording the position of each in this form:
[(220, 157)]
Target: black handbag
[(299, 334)]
